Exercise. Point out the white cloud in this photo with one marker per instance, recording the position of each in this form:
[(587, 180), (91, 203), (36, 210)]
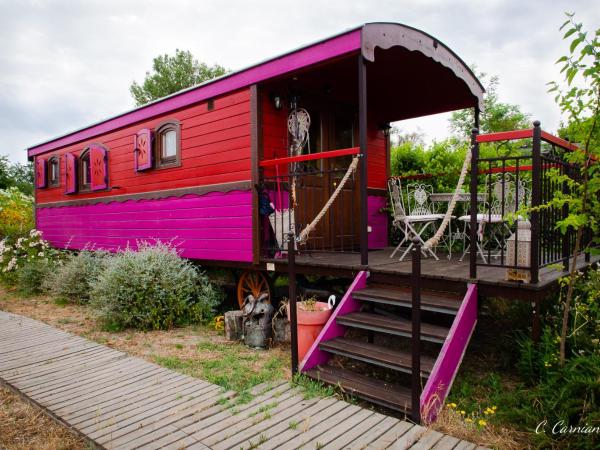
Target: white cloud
[(67, 64)]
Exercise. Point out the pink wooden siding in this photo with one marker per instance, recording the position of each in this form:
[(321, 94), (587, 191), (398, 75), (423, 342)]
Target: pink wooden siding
[(215, 226), (442, 376), (378, 221)]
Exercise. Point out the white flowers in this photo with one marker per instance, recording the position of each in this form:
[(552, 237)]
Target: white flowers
[(26, 248)]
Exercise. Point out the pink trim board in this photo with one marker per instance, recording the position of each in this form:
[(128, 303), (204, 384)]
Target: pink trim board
[(331, 330), (446, 366)]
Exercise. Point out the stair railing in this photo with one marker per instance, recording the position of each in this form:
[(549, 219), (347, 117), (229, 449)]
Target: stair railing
[(292, 299), (416, 332)]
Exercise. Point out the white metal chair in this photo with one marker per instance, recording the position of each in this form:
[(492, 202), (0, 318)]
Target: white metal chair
[(503, 201), (420, 214)]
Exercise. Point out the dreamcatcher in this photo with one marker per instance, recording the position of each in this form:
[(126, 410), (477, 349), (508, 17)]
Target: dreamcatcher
[(298, 125)]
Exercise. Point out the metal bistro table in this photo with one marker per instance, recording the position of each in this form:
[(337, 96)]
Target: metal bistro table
[(462, 197)]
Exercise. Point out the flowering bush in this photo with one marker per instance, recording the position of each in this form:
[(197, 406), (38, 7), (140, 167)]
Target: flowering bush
[(152, 288), (74, 276), (16, 252), (32, 277), (477, 418), (16, 213)]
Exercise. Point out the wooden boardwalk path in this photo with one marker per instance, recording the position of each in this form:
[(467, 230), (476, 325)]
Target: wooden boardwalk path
[(122, 402)]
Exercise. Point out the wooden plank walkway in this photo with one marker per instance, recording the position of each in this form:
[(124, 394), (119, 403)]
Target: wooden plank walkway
[(122, 402)]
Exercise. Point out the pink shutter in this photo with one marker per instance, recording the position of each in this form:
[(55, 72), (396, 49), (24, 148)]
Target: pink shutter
[(142, 147), (70, 173), (40, 173), (99, 163)]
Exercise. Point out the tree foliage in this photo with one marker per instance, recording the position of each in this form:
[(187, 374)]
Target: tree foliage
[(496, 116), (578, 97), (171, 74), (16, 175)]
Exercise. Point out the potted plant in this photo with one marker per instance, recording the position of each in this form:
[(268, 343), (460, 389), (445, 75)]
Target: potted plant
[(312, 315)]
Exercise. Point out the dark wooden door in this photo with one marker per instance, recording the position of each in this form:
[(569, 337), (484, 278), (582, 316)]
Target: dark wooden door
[(337, 230)]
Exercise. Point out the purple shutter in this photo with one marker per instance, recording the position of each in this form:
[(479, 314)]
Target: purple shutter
[(70, 173), (40, 173), (99, 167), (142, 147)]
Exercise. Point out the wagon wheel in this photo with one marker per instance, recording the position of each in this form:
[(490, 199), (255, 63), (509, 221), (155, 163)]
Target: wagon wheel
[(252, 282)]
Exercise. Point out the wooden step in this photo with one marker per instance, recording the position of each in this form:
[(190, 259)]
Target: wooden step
[(442, 302), (398, 326), (376, 354), (390, 395)]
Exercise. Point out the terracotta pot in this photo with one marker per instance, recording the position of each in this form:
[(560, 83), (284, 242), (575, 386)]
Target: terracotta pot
[(310, 324)]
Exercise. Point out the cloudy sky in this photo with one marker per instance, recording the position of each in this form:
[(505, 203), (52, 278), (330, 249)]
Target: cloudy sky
[(66, 64)]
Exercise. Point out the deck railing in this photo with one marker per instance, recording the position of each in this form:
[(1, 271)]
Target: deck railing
[(297, 189), (515, 226)]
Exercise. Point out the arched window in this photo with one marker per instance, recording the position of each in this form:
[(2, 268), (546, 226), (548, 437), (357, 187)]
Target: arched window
[(85, 171), (54, 171), (167, 143)]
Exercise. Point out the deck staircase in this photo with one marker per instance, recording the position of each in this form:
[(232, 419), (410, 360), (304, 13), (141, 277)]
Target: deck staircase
[(366, 347)]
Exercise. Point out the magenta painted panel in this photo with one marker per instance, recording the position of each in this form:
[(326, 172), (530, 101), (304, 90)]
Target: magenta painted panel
[(40, 173), (142, 148), (331, 330), (215, 226), (378, 221), (446, 366), (324, 50), (99, 162)]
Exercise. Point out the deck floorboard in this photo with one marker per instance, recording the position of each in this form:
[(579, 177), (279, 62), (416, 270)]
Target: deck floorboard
[(122, 402)]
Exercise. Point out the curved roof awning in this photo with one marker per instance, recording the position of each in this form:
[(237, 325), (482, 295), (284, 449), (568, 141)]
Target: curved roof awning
[(413, 74)]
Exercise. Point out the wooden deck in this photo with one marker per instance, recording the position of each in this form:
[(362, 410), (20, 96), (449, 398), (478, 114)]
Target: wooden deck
[(121, 402), (445, 274)]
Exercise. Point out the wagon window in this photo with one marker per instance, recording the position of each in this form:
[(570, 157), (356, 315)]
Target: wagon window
[(168, 149), (85, 171), (53, 171)]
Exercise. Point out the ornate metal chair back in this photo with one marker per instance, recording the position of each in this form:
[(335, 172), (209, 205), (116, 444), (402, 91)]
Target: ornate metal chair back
[(419, 203)]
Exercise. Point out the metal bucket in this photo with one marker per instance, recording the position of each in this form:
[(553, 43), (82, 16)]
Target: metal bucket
[(255, 335)]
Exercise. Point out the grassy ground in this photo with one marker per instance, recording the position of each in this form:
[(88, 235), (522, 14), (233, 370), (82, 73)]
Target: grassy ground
[(483, 382), (195, 350), (24, 427)]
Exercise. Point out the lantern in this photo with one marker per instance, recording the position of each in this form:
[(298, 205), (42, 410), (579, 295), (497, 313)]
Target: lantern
[(522, 258)]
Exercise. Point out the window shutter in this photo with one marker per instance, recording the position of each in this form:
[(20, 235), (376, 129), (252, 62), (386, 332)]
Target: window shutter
[(40, 173), (142, 147), (99, 163), (70, 173)]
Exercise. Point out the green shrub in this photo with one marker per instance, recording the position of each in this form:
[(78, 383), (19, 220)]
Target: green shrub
[(16, 252), (16, 213), (73, 278), (152, 288), (32, 277)]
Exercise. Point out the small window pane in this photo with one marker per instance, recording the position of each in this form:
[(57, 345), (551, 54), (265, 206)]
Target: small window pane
[(169, 144), (54, 170), (86, 170)]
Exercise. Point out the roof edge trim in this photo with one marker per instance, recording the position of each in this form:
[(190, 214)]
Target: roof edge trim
[(386, 35)]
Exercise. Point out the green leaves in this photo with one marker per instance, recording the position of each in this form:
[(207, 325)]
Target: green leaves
[(171, 74)]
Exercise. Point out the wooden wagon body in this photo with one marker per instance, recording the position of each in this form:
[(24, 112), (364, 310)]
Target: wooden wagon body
[(98, 187)]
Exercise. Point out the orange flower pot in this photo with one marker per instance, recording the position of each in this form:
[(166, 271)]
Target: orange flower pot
[(310, 324)]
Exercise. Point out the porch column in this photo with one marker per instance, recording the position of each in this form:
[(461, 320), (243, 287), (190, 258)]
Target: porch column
[(473, 206), (362, 127)]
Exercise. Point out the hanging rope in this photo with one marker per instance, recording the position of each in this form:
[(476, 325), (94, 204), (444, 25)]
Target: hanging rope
[(298, 127), (435, 239), (303, 236)]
